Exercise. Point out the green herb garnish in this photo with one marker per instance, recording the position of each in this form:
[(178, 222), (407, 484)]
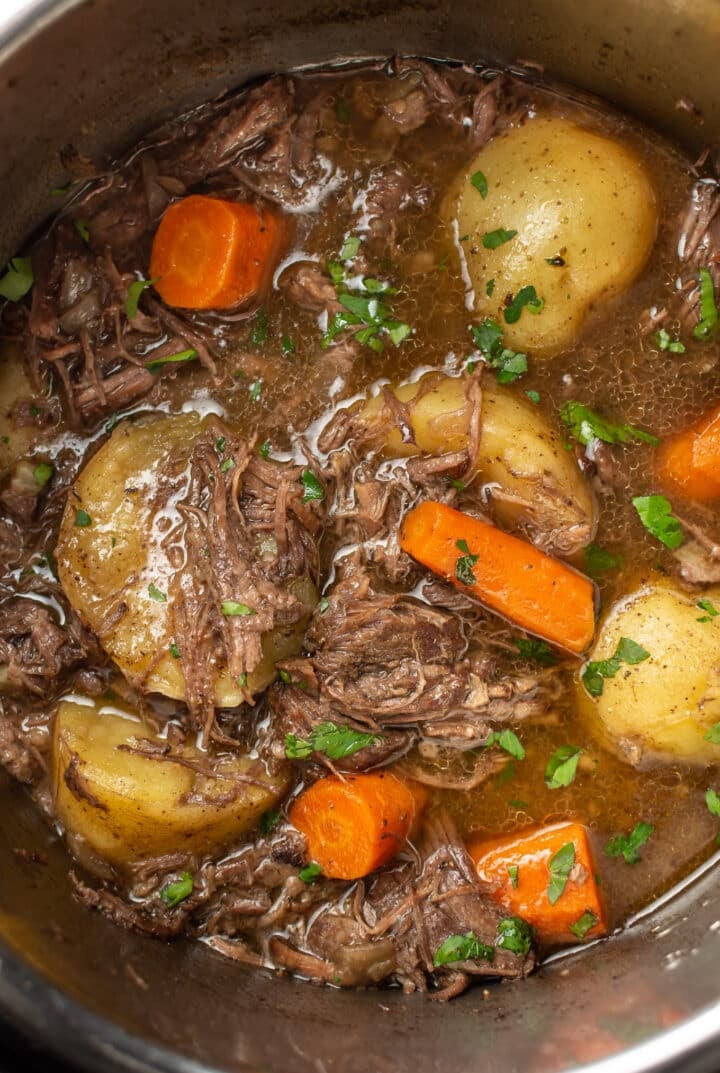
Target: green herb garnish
[(312, 488), (18, 279), (586, 425), (708, 309), (465, 947), (478, 180), (174, 651), (335, 741), (598, 560), (287, 346), (656, 514), (310, 872), (560, 866), (562, 766), (534, 396), (628, 846), (514, 934), (514, 872), (82, 519), (507, 740), (269, 821), (488, 338), (133, 295), (596, 671), (155, 594), (42, 474), (232, 609), (171, 359), (264, 450), (464, 565), (255, 390), (712, 800), (177, 892), (531, 648), (492, 239), (584, 924), (350, 248), (526, 297), (666, 342), (260, 331), (489, 287), (710, 610), (81, 226), (229, 463)]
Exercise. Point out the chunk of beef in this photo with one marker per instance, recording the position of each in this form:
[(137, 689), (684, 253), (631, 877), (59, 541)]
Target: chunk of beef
[(17, 756), (35, 650)]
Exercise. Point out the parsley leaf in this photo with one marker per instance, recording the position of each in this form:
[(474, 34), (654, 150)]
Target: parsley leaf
[(81, 226), (312, 488), (335, 741), (507, 740), (232, 609), (713, 734), (155, 594), (560, 866), (171, 359), (712, 800), (627, 651), (709, 607), (264, 450), (707, 324), (514, 934), (133, 295), (368, 311), (584, 924), (489, 287), (525, 297), (260, 331), (177, 892), (350, 248), (629, 845), (174, 651), (287, 345), (82, 519), (562, 766), (18, 279), (656, 515), (269, 821), (464, 565), (665, 342), (310, 872), (534, 396), (43, 472), (587, 425), (598, 560), (514, 873), (488, 338), (531, 648), (480, 183), (492, 239), (465, 947)]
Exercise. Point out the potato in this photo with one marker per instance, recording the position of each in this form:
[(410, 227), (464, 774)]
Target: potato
[(569, 193), (133, 547), (529, 476), (127, 807), (666, 704)]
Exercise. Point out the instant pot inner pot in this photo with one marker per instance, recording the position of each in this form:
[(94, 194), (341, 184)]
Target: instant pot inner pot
[(96, 75)]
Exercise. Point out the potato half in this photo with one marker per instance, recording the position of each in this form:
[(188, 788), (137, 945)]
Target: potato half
[(574, 197), (121, 545), (126, 806), (665, 704)]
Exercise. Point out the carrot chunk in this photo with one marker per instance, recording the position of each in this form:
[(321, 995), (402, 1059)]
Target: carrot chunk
[(689, 464), (539, 878), (355, 824), (212, 254), (507, 574)]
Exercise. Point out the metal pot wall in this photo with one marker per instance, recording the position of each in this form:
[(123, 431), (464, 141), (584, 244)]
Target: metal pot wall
[(96, 74)]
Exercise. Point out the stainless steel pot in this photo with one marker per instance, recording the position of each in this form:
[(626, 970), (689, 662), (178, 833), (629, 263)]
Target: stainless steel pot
[(96, 73)]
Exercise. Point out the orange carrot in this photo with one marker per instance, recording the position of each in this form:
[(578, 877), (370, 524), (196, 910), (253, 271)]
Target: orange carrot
[(689, 464), (509, 575), (213, 254), (356, 823), (519, 871)]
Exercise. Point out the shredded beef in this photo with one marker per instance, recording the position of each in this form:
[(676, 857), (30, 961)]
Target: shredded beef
[(34, 649)]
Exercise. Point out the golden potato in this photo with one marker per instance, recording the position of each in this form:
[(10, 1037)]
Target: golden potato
[(569, 193), (529, 476), (118, 568), (667, 703), (126, 806)]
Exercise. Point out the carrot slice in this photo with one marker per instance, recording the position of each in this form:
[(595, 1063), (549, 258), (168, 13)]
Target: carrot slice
[(356, 823), (212, 254), (517, 870), (507, 574), (689, 464)]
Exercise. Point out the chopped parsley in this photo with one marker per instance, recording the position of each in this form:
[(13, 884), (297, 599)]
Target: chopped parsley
[(628, 846), (310, 872), (287, 346), (534, 396), (514, 934), (17, 280), (269, 821), (587, 425), (242, 680), (350, 248), (43, 472), (489, 287), (260, 331), (342, 110), (713, 734), (220, 443), (562, 766), (464, 565), (323, 605), (584, 924), (598, 560), (312, 488), (171, 359), (514, 873), (255, 390), (232, 609), (82, 519), (507, 740), (488, 338), (666, 342), (155, 594), (710, 610), (712, 800), (335, 741), (596, 671), (656, 514), (177, 892), (81, 226), (264, 450), (367, 310), (465, 947), (526, 298), (174, 651), (492, 239), (133, 295), (285, 677), (707, 324), (229, 463), (560, 866), (478, 180), (531, 648)]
